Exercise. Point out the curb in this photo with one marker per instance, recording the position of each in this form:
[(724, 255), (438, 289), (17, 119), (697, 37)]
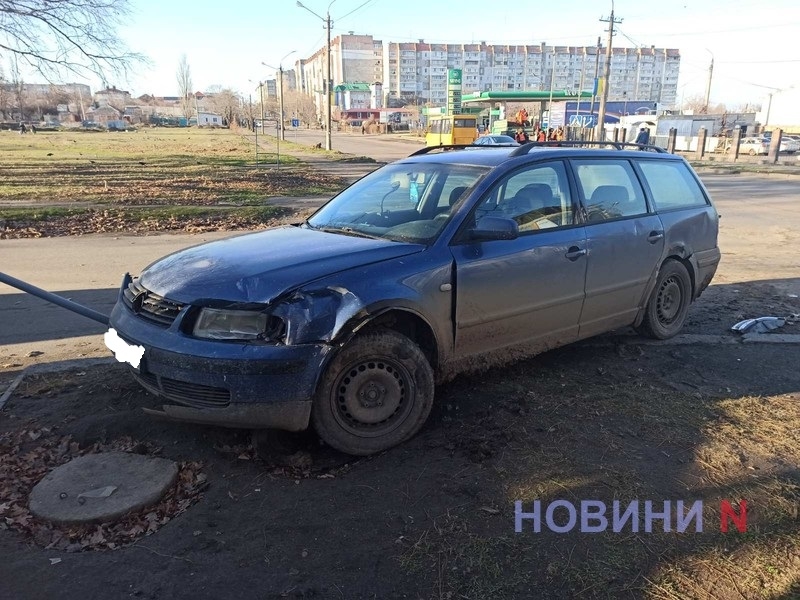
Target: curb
[(687, 339), (56, 367)]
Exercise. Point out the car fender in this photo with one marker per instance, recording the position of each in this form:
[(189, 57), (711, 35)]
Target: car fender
[(366, 295), (677, 250)]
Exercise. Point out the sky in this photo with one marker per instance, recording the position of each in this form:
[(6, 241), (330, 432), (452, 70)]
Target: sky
[(755, 44)]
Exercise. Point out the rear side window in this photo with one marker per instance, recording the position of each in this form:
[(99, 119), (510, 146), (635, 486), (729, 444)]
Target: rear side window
[(672, 185), (610, 189)]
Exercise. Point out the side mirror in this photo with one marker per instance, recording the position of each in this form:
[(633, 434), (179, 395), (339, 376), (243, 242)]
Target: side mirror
[(494, 228)]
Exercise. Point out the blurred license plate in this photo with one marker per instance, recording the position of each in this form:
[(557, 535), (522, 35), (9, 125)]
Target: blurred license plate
[(123, 351)]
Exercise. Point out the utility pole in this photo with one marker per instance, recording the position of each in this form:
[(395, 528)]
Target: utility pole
[(769, 108), (596, 74), (601, 117), (552, 84), (708, 86), (328, 145), (261, 92), (326, 87), (281, 135)]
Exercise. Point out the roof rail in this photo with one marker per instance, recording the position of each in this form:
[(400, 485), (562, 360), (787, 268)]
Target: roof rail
[(527, 147), (427, 149)]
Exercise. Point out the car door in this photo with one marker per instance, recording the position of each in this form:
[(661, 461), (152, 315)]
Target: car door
[(691, 223), (625, 242), (527, 290)]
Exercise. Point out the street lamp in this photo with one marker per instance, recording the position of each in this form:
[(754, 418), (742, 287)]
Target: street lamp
[(326, 87), (280, 90), (260, 88), (255, 129)]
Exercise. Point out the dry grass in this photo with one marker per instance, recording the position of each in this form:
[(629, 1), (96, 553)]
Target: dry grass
[(620, 433), (750, 452), (53, 182), (149, 166)]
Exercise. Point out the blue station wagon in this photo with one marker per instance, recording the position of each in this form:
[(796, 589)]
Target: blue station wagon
[(449, 260)]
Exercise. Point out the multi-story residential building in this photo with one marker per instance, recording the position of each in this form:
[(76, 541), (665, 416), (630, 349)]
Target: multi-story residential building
[(43, 89), (354, 59), (417, 72), (34, 100), (289, 83)]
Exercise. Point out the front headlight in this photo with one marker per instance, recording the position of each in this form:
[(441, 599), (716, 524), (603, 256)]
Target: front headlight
[(220, 324)]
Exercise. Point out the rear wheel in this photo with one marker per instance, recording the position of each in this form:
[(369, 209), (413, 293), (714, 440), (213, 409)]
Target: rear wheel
[(376, 393), (669, 302)]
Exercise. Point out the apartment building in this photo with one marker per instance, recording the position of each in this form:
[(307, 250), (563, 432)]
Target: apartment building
[(417, 72), (354, 59)]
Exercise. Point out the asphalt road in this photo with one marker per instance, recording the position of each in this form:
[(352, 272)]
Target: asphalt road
[(383, 148), (759, 235)]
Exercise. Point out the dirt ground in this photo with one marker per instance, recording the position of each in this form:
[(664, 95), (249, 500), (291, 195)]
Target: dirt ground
[(613, 418)]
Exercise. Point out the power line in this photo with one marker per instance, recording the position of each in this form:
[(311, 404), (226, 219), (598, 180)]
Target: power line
[(355, 9), (629, 38), (757, 62), (706, 32)]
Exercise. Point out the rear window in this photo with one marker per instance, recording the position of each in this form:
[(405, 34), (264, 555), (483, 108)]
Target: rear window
[(672, 185), (610, 189)]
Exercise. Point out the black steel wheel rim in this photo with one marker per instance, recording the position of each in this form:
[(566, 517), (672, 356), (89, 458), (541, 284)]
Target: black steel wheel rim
[(669, 300), (372, 397)]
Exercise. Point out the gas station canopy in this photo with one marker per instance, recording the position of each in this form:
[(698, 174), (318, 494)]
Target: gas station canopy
[(524, 96)]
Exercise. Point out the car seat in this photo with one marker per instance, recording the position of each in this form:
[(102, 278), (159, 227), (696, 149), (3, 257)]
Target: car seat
[(534, 197), (456, 193), (607, 202)]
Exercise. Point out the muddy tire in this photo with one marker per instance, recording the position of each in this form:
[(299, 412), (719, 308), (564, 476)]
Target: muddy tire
[(669, 302), (376, 393)]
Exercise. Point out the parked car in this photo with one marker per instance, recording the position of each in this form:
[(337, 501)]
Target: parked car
[(429, 266), (754, 146), (495, 140), (790, 144), (760, 145)]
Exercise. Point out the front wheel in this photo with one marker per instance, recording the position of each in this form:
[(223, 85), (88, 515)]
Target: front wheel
[(376, 393), (669, 302)]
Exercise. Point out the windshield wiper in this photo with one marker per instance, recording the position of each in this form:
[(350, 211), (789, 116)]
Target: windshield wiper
[(348, 231)]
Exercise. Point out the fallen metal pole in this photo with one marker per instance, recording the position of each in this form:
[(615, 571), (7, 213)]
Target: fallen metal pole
[(59, 300)]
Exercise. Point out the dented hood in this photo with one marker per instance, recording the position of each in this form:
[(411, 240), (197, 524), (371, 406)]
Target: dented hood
[(259, 267)]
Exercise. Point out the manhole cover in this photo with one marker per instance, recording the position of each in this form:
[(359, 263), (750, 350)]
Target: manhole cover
[(97, 488)]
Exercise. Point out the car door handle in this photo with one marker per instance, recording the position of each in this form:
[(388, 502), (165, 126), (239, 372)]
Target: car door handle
[(655, 236), (574, 253)]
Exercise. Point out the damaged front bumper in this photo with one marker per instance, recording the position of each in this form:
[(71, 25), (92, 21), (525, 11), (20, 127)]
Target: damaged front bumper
[(236, 384)]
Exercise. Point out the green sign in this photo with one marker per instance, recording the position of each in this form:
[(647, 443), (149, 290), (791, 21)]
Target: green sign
[(453, 91)]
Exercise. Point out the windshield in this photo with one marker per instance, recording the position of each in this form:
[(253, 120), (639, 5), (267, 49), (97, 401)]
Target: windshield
[(402, 202)]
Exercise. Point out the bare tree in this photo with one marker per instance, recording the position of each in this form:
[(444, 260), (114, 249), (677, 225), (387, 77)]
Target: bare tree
[(184, 77), (5, 90), (697, 104), (17, 86), (225, 102), (54, 96), (56, 36), (300, 105)]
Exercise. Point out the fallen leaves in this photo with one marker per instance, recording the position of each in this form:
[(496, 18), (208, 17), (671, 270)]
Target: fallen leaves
[(122, 221), (28, 454)]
